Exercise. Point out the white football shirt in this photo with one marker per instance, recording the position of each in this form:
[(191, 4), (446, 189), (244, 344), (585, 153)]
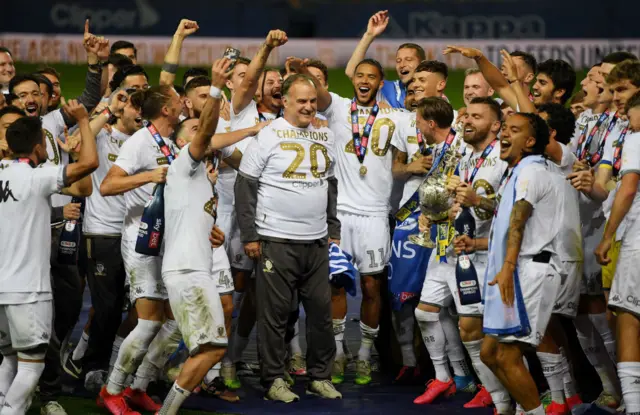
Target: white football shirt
[(369, 194), (188, 212), (292, 166), (226, 175), (25, 221), (139, 154), (247, 118), (53, 125), (607, 160), (629, 229), (583, 120), (104, 215)]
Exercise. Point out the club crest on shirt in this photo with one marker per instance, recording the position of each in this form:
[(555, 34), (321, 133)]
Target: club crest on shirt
[(220, 331), (162, 161), (112, 157), (100, 270), (268, 265)]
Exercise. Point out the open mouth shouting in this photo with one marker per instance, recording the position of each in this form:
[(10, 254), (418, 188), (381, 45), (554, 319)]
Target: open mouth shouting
[(32, 109)]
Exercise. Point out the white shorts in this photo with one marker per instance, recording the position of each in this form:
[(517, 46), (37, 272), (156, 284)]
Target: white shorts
[(569, 295), (25, 326), (367, 239), (592, 271), (440, 286), (232, 243), (625, 289), (540, 285), (195, 303), (221, 271), (144, 274)]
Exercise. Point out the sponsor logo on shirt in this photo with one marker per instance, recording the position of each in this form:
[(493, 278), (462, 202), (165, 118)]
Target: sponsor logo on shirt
[(5, 192)]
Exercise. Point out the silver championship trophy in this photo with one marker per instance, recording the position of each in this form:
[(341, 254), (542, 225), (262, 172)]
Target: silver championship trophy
[(435, 199)]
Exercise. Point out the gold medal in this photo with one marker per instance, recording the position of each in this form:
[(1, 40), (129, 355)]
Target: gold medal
[(363, 171)]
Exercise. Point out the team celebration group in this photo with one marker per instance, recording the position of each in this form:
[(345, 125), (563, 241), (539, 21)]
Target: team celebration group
[(236, 196)]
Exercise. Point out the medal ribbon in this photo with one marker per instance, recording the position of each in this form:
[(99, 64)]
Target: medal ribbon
[(164, 148), (443, 150), (360, 142), (595, 158), (479, 162), (583, 147), (617, 152)]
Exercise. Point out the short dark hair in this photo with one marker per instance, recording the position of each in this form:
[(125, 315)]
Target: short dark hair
[(417, 48), (119, 60), (179, 89), (9, 98), (436, 109), (528, 59), (633, 102), (294, 79), (20, 78), (49, 70), (11, 109), (539, 130), (560, 119), (433, 67), (122, 74), (178, 130), (24, 134), (197, 82), (491, 103), (628, 69), (44, 80), (6, 50), (371, 62), (123, 44), (194, 72), (615, 58), (318, 64), (244, 60), (562, 75), (153, 99)]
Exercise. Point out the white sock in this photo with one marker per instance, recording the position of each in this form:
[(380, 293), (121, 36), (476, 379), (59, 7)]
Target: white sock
[(499, 394), (131, 353), (567, 378), (8, 370), (338, 334), (552, 369), (434, 340), (213, 373), (602, 327), (455, 351), (23, 386), (366, 341), (594, 349), (537, 411), (156, 357), (115, 349), (174, 400), (81, 347), (403, 323), (239, 346), (294, 346), (629, 373)]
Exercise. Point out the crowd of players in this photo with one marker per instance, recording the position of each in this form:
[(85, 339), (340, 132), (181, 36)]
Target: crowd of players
[(260, 185)]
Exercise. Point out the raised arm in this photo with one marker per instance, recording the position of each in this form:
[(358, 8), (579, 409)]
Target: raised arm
[(247, 89), (88, 157), (222, 140), (324, 97), (172, 58), (376, 26), (491, 73), (211, 111)]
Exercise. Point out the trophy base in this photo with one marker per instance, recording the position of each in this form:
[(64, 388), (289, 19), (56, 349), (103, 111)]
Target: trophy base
[(421, 241)]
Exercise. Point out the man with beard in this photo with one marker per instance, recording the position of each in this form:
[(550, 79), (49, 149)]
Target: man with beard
[(26, 295), (7, 69), (101, 243), (134, 172), (408, 56), (365, 182), (125, 48), (54, 77)]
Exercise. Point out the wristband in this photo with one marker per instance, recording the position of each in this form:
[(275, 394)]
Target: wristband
[(172, 68), (215, 92)]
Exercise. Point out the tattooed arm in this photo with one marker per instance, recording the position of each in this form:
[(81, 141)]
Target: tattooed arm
[(519, 215), (402, 171)]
